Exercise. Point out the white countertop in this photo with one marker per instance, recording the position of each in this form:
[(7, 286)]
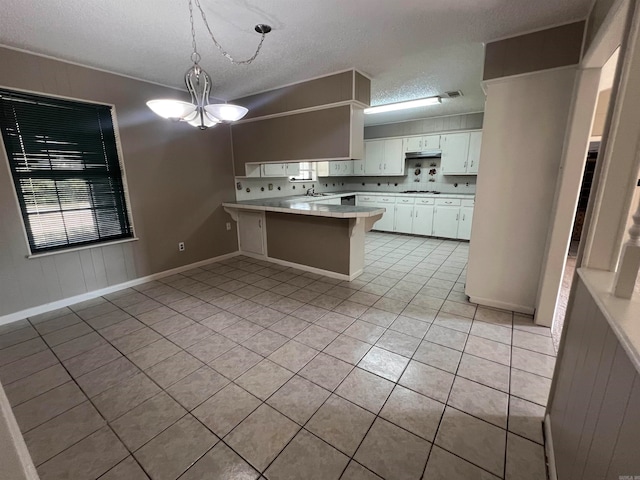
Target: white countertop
[(304, 205), (312, 205)]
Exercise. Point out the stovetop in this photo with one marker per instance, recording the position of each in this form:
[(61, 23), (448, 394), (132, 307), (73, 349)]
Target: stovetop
[(420, 191)]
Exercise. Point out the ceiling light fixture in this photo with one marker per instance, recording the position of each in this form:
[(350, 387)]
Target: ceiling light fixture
[(199, 112), (390, 107)]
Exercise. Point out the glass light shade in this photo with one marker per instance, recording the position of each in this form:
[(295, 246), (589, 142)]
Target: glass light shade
[(172, 109), (226, 112), (194, 120)]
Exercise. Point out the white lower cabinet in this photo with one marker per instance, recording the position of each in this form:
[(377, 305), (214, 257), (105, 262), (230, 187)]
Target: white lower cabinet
[(464, 224), (251, 232), (423, 220), (445, 221), (404, 218), (444, 217)]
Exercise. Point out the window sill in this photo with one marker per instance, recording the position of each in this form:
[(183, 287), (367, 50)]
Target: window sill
[(83, 247)]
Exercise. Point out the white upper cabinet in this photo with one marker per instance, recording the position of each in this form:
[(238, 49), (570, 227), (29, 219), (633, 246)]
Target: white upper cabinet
[(274, 169), (420, 144), (280, 169), (455, 148), (373, 157), (473, 159), (292, 169), (358, 167), (412, 144), (335, 168), (461, 153), (384, 157)]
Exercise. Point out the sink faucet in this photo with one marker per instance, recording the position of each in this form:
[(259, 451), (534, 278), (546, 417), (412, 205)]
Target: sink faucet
[(311, 191)]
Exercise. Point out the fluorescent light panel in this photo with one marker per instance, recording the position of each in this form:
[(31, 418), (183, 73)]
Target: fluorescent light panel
[(390, 107)]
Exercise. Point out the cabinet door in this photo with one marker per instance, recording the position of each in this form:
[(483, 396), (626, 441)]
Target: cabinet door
[(431, 142), (334, 168), (473, 159), (455, 148), (404, 218), (464, 223), (423, 220), (387, 221), (251, 232), (358, 167), (393, 163), (412, 144), (373, 157), (346, 168), (274, 170), (445, 221), (292, 169)]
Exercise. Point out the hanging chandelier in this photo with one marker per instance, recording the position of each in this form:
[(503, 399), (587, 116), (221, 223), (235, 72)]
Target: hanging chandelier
[(199, 112)]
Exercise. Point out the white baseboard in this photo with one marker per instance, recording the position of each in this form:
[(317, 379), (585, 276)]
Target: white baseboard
[(306, 268), (65, 302), (548, 447), (488, 302), (319, 271)]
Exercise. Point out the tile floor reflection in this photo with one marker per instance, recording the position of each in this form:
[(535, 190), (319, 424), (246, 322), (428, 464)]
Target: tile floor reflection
[(245, 369)]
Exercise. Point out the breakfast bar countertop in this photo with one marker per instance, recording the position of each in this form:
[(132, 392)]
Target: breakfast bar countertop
[(303, 205)]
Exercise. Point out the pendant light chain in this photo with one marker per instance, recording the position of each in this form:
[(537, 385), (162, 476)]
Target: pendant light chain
[(215, 42), (195, 56)]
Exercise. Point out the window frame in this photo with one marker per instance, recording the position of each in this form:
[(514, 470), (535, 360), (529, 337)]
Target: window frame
[(125, 186), (314, 173)]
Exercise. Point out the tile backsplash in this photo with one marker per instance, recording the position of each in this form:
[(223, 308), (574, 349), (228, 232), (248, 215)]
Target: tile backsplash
[(282, 187)]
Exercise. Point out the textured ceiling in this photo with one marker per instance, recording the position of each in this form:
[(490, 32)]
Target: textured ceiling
[(410, 48)]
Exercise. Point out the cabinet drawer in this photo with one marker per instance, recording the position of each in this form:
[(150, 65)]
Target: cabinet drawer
[(385, 199), (448, 201), (405, 200), (425, 201), (366, 199), (468, 202)]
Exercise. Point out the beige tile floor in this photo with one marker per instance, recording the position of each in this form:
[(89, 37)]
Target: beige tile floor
[(244, 369)]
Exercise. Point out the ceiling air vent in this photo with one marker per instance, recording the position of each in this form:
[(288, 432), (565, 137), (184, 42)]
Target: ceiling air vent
[(454, 94)]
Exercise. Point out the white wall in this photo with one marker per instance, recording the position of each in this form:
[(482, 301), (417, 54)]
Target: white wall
[(523, 133)]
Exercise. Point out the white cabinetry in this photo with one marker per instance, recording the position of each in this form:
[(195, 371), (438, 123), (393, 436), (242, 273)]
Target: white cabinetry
[(455, 148), (251, 232), (404, 215), (384, 157), (387, 222), (335, 168), (329, 201), (461, 153), (423, 216), (445, 218), (465, 219), (358, 167), (421, 144), (280, 169), (473, 159)]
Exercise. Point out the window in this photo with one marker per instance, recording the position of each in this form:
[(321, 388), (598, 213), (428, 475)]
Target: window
[(66, 171), (307, 172)]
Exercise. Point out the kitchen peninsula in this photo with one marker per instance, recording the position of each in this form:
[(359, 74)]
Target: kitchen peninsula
[(298, 232)]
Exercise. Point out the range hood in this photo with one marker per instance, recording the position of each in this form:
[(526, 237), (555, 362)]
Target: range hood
[(424, 154)]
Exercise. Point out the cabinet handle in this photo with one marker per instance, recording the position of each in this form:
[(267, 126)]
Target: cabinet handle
[(260, 223), (463, 217), (385, 166), (457, 216)]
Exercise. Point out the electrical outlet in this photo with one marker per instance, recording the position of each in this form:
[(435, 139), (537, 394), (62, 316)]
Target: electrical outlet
[(181, 246), (228, 225)]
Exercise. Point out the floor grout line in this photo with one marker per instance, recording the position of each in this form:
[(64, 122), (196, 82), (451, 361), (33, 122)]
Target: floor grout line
[(405, 270)]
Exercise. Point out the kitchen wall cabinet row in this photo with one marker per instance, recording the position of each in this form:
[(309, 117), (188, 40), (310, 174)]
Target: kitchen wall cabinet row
[(460, 155), (281, 170), (438, 217)]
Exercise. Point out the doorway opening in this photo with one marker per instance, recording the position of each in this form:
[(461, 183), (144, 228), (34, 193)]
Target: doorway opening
[(602, 107)]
